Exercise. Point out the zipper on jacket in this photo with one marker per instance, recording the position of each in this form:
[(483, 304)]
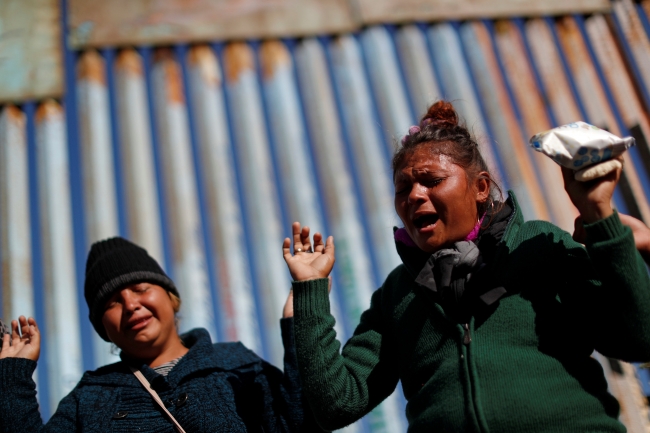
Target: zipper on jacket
[(467, 338)]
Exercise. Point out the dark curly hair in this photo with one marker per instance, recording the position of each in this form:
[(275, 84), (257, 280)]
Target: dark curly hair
[(440, 128)]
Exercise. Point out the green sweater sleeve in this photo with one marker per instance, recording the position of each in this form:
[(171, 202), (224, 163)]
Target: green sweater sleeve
[(616, 299), (341, 387)]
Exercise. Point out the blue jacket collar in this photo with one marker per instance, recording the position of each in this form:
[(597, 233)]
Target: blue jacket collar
[(203, 355)]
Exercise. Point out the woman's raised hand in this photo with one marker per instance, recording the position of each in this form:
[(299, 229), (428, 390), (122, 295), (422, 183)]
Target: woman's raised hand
[(306, 263), (24, 342), (592, 198)]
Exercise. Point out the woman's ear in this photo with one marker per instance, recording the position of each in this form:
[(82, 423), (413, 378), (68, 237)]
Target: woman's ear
[(482, 186)]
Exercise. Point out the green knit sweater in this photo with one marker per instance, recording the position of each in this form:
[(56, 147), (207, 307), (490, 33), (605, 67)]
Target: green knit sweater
[(528, 366)]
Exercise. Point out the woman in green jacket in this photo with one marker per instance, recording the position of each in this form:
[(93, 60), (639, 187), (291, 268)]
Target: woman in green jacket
[(490, 322)]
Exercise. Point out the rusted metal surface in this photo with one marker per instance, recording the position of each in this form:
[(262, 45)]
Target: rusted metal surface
[(31, 55), (16, 252), (365, 140), (298, 179), (457, 87), (625, 97), (300, 129), (136, 146), (418, 70), (508, 138), (15, 215), (189, 262), (341, 204), (61, 306), (398, 11), (532, 109), (124, 22), (258, 187), (626, 16), (598, 110), (97, 153), (236, 298)]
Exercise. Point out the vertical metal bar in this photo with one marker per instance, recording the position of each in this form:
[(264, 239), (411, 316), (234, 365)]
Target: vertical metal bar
[(555, 83), (58, 253), (15, 216), (189, 261), (97, 166), (420, 76), (261, 197), (457, 86), (384, 73), (369, 158), (531, 106), (298, 179), (42, 386), (237, 304), (509, 140), (333, 168), (625, 97), (138, 163), (635, 43), (17, 287), (598, 111)]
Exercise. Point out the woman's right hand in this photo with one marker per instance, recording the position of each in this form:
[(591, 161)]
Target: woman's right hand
[(305, 264), (26, 344)]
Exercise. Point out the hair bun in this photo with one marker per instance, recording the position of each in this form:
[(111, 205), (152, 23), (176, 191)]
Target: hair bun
[(441, 114)]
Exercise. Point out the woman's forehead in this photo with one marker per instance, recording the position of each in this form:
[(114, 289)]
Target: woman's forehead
[(425, 163)]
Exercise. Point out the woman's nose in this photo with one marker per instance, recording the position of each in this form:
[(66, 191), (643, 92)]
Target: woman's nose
[(131, 300), (418, 193)]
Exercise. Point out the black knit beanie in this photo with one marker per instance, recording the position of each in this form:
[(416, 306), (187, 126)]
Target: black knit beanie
[(112, 265)]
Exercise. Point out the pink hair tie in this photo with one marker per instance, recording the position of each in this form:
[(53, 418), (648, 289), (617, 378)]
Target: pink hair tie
[(412, 130)]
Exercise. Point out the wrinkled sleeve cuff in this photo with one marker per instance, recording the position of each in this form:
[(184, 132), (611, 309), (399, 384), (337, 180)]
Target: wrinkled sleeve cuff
[(311, 297), (286, 328), (16, 370), (606, 229)]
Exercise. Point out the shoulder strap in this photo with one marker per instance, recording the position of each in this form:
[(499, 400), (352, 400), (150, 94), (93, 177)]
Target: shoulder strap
[(157, 399)]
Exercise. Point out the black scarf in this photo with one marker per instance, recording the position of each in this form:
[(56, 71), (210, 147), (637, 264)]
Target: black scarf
[(459, 276)]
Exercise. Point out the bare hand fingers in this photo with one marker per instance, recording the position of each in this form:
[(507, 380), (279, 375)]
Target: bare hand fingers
[(6, 343), (297, 241), (24, 327), (286, 248), (34, 332), (318, 243), (304, 239), (15, 335), (329, 248)]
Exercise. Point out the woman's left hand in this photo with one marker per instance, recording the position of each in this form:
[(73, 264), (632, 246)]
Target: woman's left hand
[(307, 263), (592, 198), (24, 340)]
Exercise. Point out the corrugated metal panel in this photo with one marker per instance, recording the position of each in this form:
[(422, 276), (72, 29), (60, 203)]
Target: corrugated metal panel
[(61, 296), (534, 117), (513, 153), (138, 164), (238, 310), (30, 50), (594, 105), (261, 199), (397, 11), (206, 154), (181, 194), (125, 22), (17, 287), (98, 167)]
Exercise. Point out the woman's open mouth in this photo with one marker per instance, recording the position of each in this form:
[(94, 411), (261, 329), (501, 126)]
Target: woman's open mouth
[(425, 221)]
